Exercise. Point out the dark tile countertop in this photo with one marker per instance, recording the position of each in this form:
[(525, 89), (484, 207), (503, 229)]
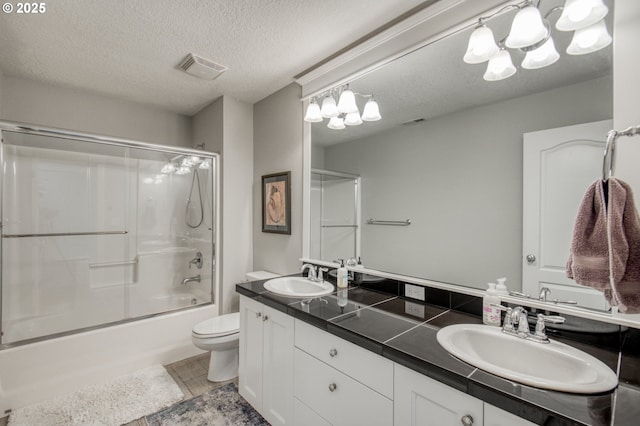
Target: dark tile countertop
[(404, 331)]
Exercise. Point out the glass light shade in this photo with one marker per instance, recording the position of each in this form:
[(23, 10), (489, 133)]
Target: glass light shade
[(543, 56), (371, 111), (195, 159), (353, 119), (187, 162), (527, 28), (590, 39), (347, 102), (336, 123), (482, 46), (499, 67), (329, 109), (578, 14), (183, 170), (168, 168), (313, 114), (206, 164)]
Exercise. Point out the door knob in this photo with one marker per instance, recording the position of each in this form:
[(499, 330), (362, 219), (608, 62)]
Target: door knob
[(530, 258)]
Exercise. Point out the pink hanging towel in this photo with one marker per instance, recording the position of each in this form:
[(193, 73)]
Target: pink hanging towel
[(623, 229)]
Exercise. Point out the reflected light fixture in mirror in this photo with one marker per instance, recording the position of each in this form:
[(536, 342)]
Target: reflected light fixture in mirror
[(531, 33), (345, 112)]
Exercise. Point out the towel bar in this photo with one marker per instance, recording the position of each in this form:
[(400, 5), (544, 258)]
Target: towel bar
[(610, 149), (389, 222)]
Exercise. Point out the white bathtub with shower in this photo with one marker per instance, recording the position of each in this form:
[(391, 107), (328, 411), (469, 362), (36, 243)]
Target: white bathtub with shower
[(108, 257)]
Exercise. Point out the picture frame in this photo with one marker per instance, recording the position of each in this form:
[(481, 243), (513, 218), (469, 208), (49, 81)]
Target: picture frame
[(276, 203)]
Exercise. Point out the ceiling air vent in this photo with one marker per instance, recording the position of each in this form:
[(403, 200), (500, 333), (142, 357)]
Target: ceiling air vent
[(201, 67)]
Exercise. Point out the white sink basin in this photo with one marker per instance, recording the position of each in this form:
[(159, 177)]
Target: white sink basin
[(554, 366), (298, 287)]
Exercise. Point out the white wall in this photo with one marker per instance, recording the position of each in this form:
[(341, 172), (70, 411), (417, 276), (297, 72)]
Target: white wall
[(466, 161), (47, 105), (226, 127), (277, 134), (626, 109)]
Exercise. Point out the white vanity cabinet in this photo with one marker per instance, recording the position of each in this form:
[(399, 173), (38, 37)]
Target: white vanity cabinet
[(266, 361), (421, 401), (494, 416), (339, 383)]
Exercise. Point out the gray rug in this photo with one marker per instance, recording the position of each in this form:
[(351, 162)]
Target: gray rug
[(220, 407)]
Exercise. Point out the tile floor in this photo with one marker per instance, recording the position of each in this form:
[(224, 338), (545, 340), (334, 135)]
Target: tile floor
[(190, 374)]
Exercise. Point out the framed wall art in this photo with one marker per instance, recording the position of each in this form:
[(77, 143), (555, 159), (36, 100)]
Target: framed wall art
[(276, 203)]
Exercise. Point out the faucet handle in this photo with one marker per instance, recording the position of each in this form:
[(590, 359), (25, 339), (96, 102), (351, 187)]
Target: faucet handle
[(320, 273), (540, 334)]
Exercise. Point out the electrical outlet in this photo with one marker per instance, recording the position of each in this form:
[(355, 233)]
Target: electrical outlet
[(414, 309), (414, 291)]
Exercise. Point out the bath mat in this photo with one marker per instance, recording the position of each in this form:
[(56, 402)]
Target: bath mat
[(119, 401), (220, 407)]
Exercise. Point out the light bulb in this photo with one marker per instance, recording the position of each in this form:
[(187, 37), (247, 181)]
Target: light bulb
[(187, 162), (183, 170), (195, 159), (336, 123), (590, 39), (329, 109), (371, 111), (353, 119), (313, 114), (482, 46), (543, 56), (206, 164), (168, 168), (527, 28), (499, 67), (577, 14), (347, 102)]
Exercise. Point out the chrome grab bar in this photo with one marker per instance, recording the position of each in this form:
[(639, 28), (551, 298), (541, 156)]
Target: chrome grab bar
[(389, 222), (65, 234)]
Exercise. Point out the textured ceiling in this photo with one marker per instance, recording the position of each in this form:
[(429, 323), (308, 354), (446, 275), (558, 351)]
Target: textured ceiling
[(434, 81), (130, 49)]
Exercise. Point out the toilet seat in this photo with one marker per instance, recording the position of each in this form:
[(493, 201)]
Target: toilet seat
[(220, 326)]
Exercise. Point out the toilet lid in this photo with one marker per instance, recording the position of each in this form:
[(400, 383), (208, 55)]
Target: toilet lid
[(219, 326)]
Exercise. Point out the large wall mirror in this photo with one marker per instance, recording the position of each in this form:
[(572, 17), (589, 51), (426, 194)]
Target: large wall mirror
[(451, 154)]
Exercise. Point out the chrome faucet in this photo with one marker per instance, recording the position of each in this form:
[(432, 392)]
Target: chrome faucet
[(191, 279), (312, 271), (544, 293), (520, 317)]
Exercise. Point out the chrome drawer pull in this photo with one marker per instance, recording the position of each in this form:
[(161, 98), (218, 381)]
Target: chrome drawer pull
[(467, 420), (332, 387), (258, 314), (333, 352)]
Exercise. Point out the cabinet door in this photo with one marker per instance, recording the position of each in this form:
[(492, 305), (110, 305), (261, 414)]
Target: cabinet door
[(303, 415), (250, 361), (421, 401), (277, 361), (494, 416)]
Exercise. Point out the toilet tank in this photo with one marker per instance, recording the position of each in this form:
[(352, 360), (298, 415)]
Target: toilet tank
[(260, 275)]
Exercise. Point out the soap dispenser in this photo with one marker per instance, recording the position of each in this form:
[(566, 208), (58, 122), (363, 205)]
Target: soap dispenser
[(490, 313), (343, 275), (501, 288)]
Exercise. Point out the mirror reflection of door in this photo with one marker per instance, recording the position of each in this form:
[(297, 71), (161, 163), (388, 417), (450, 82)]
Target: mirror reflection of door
[(558, 166)]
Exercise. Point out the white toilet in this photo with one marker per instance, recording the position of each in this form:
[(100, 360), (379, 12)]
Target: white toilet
[(221, 336)]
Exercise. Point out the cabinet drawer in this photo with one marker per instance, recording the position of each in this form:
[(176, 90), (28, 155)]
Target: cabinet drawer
[(303, 415), (348, 358), (349, 403)]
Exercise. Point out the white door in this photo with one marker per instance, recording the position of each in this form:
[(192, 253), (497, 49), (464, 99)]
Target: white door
[(277, 361), (250, 361), (558, 166), (421, 401)]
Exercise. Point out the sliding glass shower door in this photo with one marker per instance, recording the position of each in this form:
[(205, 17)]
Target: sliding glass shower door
[(98, 233)]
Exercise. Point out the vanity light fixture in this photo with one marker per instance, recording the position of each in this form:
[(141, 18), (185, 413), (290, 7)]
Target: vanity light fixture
[(531, 33), (343, 113)]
